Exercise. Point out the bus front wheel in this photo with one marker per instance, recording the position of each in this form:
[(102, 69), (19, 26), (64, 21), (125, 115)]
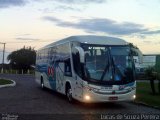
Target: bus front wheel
[(69, 94)]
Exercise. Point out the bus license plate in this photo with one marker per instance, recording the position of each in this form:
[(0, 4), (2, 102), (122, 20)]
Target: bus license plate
[(106, 88), (113, 98)]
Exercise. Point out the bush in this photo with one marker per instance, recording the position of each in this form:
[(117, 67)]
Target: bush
[(151, 75), (157, 66)]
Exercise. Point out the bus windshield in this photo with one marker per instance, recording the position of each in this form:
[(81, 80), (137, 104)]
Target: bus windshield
[(109, 64)]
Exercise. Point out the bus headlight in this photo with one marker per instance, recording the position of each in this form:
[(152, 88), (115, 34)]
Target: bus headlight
[(87, 97), (134, 96)]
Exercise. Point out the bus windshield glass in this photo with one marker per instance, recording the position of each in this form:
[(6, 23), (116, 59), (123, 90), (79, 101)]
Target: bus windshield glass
[(109, 64)]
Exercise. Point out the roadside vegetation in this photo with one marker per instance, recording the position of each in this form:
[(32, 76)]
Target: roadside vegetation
[(22, 61), (152, 74), (145, 94), (149, 92), (4, 82)]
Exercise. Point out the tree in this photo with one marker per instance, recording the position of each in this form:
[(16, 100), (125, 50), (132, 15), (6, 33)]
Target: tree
[(134, 53), (22, 59), (150, 73), (157, 67)]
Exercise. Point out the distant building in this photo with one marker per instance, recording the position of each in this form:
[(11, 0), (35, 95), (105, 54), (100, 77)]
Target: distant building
[(148, 61)]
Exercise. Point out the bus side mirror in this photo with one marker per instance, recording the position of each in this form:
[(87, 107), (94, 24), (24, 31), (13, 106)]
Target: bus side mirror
[(140, 55), (81, 54)]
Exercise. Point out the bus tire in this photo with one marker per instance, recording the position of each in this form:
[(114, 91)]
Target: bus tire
[(69, 93), (42, 83)]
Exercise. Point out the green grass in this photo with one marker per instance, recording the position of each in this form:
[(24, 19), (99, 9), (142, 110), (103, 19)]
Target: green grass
[(145, 95), (4, 82)]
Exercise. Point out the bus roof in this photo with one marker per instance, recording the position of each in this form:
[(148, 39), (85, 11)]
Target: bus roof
[(90, 39)]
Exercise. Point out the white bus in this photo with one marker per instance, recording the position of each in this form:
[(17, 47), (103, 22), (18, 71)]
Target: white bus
[(88, 68)]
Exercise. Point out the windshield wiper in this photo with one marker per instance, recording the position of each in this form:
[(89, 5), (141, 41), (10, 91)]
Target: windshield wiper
[(113, 68), (105, 70), (107, 66), (116, 68)]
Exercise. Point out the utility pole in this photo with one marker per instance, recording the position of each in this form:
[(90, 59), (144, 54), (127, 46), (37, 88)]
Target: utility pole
[(3, 56)]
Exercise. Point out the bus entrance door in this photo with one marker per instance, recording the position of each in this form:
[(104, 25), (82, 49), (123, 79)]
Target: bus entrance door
[(60, 77), (78, 87)]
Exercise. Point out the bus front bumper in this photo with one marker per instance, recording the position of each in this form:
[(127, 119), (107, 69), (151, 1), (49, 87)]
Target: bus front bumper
[(91, 97)]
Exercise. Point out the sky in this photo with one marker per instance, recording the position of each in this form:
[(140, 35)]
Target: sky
[(37, 23)]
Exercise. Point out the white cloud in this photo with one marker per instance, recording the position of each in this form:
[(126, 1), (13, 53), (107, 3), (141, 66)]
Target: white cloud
[(104, 25)]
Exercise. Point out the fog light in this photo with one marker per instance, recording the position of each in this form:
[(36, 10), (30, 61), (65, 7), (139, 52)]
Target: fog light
[(87, 97), (134, 96)]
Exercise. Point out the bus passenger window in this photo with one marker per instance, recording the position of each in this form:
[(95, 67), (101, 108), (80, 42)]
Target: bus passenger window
[(67, 69)]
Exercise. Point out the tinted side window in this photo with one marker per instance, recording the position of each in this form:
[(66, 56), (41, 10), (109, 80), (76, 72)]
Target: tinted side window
[(76, 63), (67, 68)]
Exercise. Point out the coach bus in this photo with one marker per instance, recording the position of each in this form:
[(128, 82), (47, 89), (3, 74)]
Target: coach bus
[(88, 68)]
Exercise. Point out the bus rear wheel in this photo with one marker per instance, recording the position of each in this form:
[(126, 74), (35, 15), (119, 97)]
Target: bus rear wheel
[(42, 83)]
